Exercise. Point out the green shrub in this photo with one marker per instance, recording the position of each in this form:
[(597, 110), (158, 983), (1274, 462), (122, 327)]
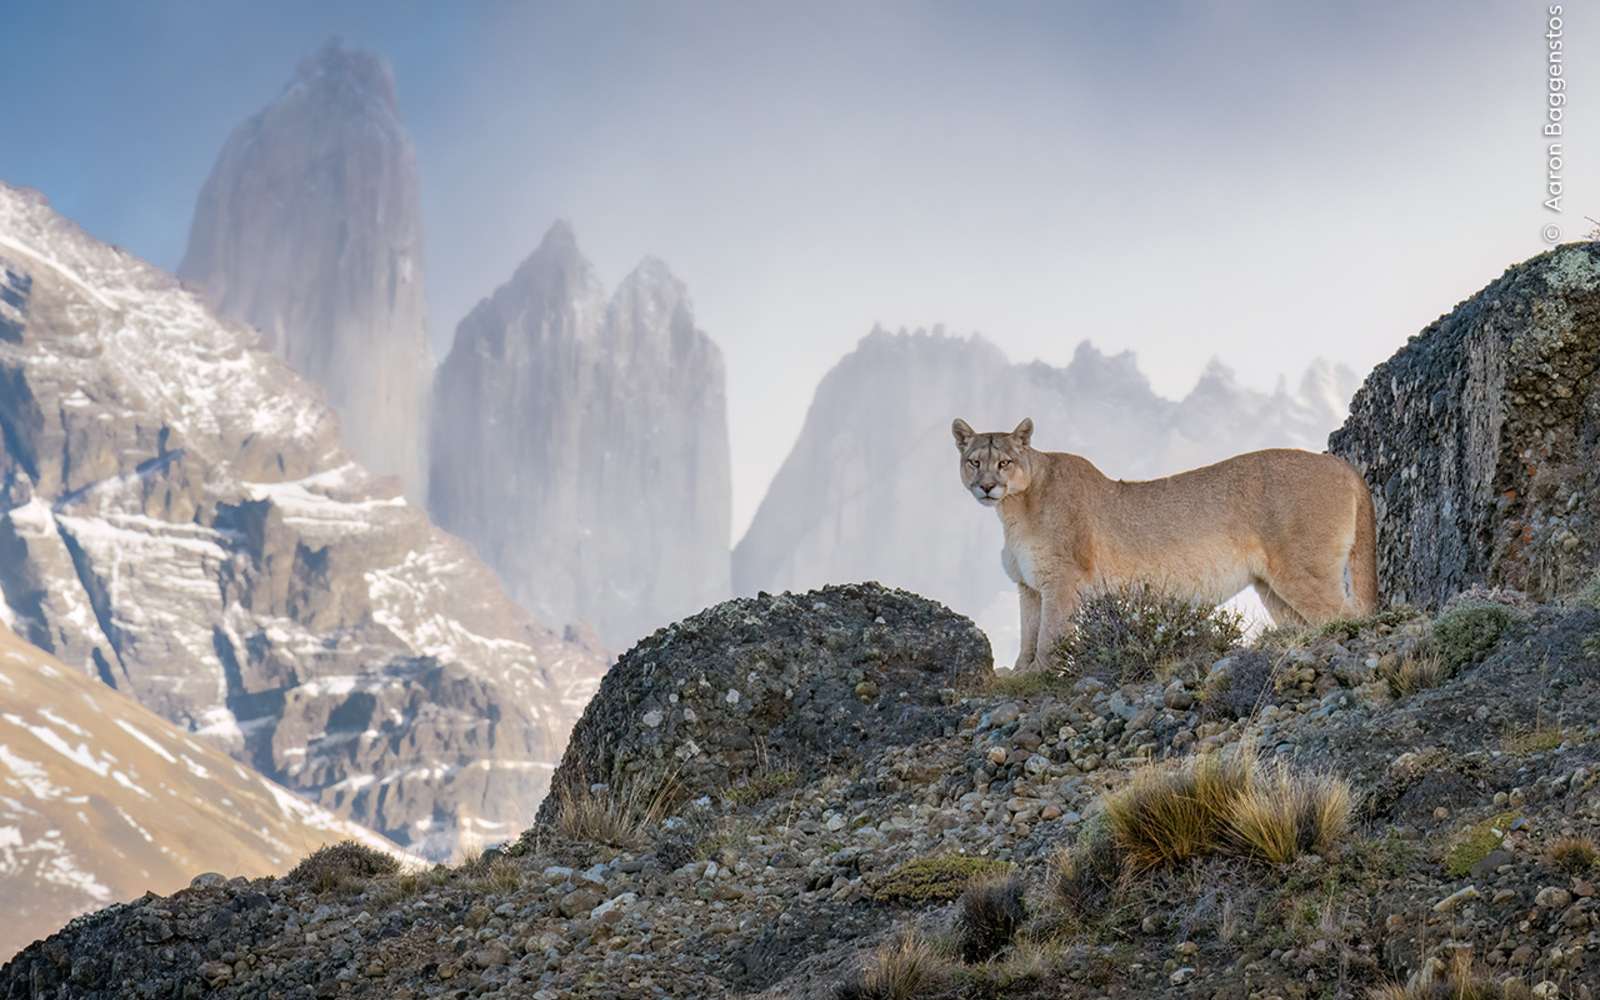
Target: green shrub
[(937, 878), (334, 866), (1465, 633), (1139, 631)]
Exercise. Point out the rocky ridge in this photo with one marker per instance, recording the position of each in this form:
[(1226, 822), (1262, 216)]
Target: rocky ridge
[(309, 229), (180, 520), (581, 443), (783, 882)]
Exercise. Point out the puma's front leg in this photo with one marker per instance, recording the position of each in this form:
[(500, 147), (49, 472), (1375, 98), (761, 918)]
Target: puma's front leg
[(1058, 603), (1028, 598)]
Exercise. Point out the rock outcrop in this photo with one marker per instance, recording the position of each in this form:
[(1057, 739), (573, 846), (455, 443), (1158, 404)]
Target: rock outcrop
[(805, 682), (1480, 438), (102, 800), (180, 520), (871, 491), (309, 229), (582, 445)]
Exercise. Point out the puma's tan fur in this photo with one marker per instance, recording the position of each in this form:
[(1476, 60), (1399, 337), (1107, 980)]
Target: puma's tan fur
[(1295, 525)]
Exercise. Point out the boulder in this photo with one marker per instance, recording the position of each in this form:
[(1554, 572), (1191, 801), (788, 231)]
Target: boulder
[(1480, 439), (797, 681)]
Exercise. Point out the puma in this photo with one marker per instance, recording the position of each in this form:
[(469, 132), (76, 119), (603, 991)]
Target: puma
[(1295, 525)]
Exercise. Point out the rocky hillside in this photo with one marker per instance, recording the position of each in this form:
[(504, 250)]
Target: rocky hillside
[(581, 444), (102, 800), (873, 477), (309, 230), (180, 520), (944, 847), (1481, 438)]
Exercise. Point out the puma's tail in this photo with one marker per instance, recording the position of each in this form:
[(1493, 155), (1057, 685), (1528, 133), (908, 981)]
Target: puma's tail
[(1363, 559)]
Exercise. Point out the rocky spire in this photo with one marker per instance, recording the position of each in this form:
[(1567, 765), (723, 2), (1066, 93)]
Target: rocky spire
[(309, 230), (582, 445)]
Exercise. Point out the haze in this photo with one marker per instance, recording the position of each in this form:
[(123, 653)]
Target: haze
[(1241, 181)]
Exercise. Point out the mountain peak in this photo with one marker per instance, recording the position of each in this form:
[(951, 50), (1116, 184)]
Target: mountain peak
[(355, 70)]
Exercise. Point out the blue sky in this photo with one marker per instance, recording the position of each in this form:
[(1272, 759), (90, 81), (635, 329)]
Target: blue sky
[(1261, 182)]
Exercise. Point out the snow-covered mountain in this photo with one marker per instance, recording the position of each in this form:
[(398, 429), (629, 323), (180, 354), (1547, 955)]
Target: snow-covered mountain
[(178, 518), (581, 444), (871, 491), (102, 800), (309, 229)]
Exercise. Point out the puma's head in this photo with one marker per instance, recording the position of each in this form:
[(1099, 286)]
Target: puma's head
[(994, 466)]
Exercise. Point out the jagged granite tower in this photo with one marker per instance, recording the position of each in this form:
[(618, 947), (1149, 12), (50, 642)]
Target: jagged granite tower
[(309, 230), (581, 444)]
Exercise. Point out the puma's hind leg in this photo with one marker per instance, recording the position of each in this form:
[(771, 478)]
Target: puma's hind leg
[(1283, 616)]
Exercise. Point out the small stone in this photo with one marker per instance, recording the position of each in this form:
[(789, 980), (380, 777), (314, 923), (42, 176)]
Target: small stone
[(1456, 898), (866, 691), (1552, 897), (208, 880), (652, 718)]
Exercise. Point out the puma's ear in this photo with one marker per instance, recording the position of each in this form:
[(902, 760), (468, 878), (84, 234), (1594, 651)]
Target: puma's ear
[(963, 432), (1024, 432)]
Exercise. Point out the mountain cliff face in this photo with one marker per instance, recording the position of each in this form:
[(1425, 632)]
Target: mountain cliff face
[(309, 229), (871, 490), (102, 800), (180, 520), (581, 444)]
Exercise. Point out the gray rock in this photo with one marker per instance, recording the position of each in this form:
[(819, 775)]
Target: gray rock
[(309, 229), (797, 668), (615, 512), (1477, 439)]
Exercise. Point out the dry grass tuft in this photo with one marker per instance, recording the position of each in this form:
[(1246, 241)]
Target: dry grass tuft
[(600, 814), (335, 866), (1083, 877), (1226, 806), (906, 968), (1455, 980), (1416, 673), (1574, 855), (988, 916)]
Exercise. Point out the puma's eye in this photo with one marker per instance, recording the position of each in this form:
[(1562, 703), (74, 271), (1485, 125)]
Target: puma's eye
[(972, 462), (1004, 462)]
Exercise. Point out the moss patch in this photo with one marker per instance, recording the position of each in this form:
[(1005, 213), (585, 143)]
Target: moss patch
[(1348, 628), (935, 879), (1472, 844)]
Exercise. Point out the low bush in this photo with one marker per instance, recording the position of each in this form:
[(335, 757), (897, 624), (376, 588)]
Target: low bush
[(1465, 633), (1142, 631), (988, 916), (334, 866), (937, 878)]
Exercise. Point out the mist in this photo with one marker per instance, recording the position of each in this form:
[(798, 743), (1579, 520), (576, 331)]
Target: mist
[(1245, 182)]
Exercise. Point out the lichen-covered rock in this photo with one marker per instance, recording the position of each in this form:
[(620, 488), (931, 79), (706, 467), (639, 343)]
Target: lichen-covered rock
[(1481, 439), (803, 681)]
